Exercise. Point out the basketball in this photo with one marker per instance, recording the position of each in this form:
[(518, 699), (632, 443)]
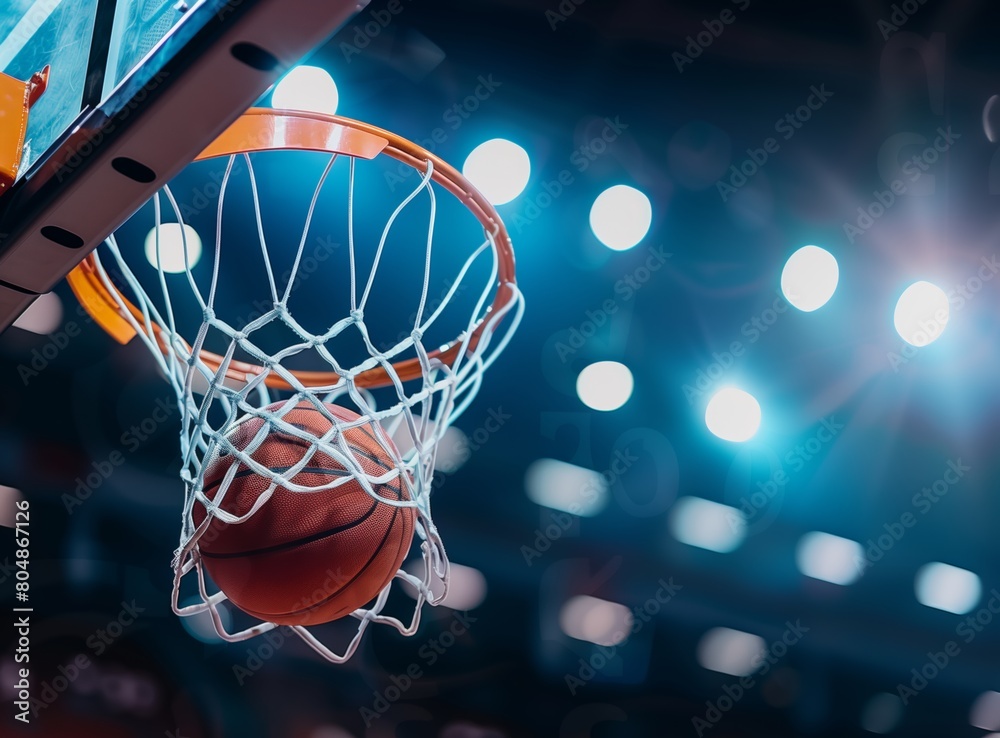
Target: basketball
[(305, 558)]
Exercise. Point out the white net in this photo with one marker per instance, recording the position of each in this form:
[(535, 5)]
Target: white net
[(264, 367)]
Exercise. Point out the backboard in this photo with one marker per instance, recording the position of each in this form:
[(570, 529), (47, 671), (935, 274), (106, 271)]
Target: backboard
[(137, 89)]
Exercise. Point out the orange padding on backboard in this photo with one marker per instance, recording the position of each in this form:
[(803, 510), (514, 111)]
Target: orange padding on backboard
[(16, 98)]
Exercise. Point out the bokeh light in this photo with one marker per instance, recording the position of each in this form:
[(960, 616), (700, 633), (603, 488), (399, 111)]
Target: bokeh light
[(559, 485), (595, 620), (605, 385), (620, 217), (172, 244), (306, 88), (829, 558), (706, 524), (948, 588), (922, 314), (809, 278), (729, 651), (733, 415), (499, 168), (985, 712)]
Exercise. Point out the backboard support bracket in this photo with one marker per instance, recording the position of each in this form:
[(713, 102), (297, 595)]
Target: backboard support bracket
[(221, 58)]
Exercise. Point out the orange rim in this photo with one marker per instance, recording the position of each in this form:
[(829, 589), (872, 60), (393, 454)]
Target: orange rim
[(261, 129)]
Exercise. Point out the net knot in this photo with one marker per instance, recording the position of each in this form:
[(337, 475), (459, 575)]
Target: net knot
[(208, 314), (358, 316), (417, 335)]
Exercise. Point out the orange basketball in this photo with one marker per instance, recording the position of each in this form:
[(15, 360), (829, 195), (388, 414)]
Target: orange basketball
[(305, 558)]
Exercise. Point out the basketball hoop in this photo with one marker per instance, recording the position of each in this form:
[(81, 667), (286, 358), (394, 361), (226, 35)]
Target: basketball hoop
[(404, 391)]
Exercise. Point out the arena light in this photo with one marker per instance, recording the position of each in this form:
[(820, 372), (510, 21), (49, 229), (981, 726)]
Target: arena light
[(499, 168), (306, 88), (620, 217), (706, 524), (466, 587), (949, 588), (809, 278), (733, 415), (985, 712), (595, 620), (729, 651), (560, 486), (829, 558), (173, 241), (922, 314), (605, 385)]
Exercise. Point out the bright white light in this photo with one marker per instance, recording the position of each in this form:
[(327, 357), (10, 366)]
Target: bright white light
[(948, 588), (567, 487), (882, 713), (985, 712), (43, 316), (830, 558), (922, 314), (707, 524), (620, 217), (809, 278), (172, 243), (605, 385), (499, 169), (466, 587), (733, 415), (306, 88), (730, 651), (595, 620)]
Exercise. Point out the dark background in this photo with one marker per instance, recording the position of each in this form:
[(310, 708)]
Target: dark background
[(902, 424)]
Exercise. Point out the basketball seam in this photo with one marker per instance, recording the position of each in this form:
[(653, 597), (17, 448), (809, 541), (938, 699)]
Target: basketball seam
[(361, 571), (298, 541)]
